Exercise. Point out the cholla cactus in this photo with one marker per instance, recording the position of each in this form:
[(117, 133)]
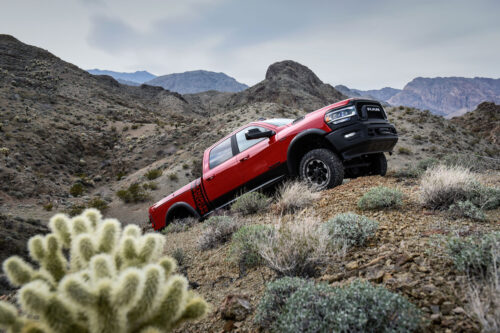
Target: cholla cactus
[(95, 277)]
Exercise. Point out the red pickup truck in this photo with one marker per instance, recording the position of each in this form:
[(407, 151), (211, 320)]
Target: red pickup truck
[(345, 139)]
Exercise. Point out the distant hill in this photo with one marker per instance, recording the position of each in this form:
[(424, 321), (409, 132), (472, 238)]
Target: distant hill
[(484, 121), (381, 95), (292, 84), (448, 96), (193, 82), (131, 79)]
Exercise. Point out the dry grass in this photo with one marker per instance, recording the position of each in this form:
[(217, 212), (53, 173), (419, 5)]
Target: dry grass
[(218, 230), (441, 186), (295, 196), (484, 298), (296, 248)]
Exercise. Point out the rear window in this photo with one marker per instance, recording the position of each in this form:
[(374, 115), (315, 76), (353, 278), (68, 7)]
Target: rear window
[(278, 121), (220, 153)]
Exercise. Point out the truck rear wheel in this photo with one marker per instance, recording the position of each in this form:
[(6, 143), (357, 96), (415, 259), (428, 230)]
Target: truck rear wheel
[(321, 168)]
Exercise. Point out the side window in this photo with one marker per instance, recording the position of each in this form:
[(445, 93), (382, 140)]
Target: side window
[(220, 153), (243, 143)]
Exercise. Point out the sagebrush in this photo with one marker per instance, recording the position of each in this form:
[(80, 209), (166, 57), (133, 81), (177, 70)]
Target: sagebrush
[(295, 196), (380, 197), (250, 203), (217, 230), (349, 229)]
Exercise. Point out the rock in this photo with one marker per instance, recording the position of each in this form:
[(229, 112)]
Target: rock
[(386, 277), (332, 278), (352, 265), (447, 307), (436, 318), (376, 276), (458, 310), (235, 307)]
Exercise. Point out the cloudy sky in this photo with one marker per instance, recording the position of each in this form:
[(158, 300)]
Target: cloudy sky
[(360, 43)]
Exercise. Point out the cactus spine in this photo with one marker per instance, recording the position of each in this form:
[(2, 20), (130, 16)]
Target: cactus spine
[(94, 277)]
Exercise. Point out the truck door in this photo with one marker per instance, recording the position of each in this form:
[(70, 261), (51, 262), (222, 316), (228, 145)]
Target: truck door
[(221, 177), (256, 158)]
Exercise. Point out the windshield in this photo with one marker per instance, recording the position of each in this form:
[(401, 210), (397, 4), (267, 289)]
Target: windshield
[(278, 121)]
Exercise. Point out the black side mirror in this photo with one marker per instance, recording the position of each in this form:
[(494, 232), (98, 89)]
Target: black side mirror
[(255, 133)]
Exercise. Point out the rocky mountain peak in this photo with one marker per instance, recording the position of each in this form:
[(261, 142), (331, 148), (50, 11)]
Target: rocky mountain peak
[(290, 69)]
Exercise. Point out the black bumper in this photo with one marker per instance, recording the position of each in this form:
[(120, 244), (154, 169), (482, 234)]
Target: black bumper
[(369, 138)]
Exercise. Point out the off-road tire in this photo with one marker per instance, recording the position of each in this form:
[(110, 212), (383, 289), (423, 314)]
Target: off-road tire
[(378, 164), (315, 162)]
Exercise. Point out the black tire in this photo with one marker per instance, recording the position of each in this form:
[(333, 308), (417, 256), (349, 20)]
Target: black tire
[(321, 168), (378, 164)]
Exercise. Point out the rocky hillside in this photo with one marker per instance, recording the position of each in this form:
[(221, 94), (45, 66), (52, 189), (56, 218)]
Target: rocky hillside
[(133, 79), (292, 84), (448, 96), (197, 81), (484, 121), (62, 126)]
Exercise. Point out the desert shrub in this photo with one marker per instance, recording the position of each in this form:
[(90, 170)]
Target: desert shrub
[(180, 225), (244, 248), (415, 171), (4, 151), (98, 204), (484, 297), (179, 255), (404, 151), (196, 168), (475, 254), (466, 209), (150, 186), (173, 177), (294, 196), (380, 197), (272, 304), (295, 248), (358, 307), (133, 194), (75, 210), (441, 186), (153, 174), (484, 197), (48, 207), (470, 161), (92, 276), (217, 230), (120, 175), (250, 203), (350, 229), (77, 189)]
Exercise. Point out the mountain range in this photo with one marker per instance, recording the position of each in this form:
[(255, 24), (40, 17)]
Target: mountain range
[(132, 79), (444, 96), (190, 82)]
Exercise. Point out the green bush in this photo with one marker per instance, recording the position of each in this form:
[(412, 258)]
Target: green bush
[(484, 197), (153, 174), (98, 203), (272, 304), (404, 151), (358, 307), (475, 255), (77, 189), (244, 248), (150, 186), (466, 209), (250, 203), (380, 197), (48, 207), (173, 177), (350, 229), (93, 276), (217, 230), (133, 194)]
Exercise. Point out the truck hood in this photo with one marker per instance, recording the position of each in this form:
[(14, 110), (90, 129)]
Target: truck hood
[(171, 196)]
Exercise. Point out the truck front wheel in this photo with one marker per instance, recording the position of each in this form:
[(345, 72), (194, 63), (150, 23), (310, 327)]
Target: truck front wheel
[(321, 168), (378, 164)]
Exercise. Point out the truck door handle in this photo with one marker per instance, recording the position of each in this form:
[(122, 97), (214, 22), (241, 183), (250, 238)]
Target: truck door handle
[(210, 178), (245, 158)]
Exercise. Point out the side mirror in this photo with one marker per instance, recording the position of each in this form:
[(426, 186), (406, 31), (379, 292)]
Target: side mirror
[(255, 133)]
